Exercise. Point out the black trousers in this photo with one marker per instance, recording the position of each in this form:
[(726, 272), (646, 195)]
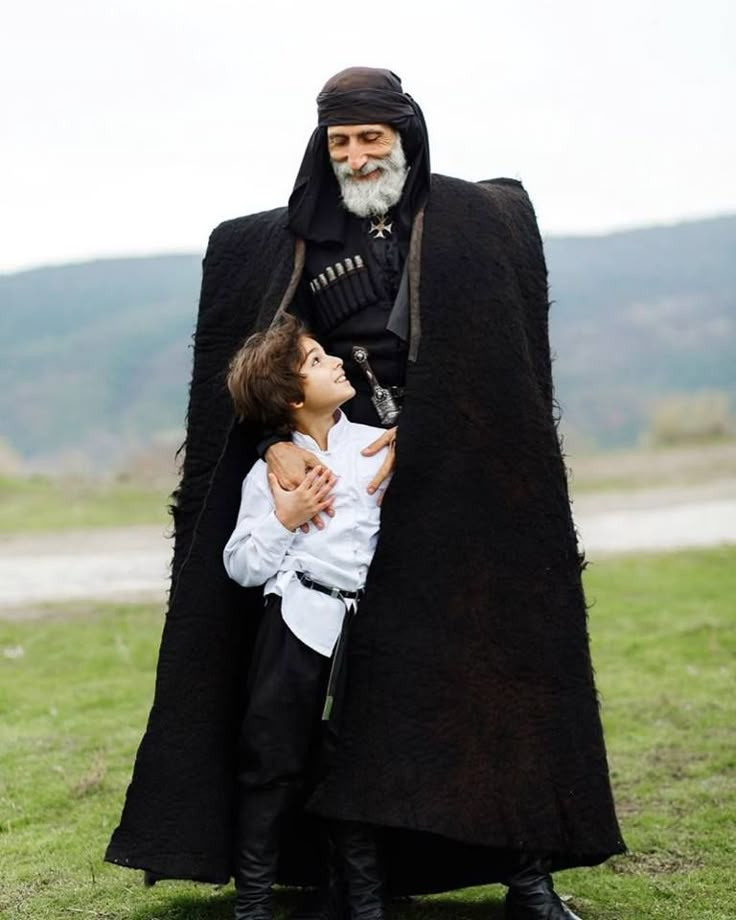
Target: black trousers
[(281, 735)]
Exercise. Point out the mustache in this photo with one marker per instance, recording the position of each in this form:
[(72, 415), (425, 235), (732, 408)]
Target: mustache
[(345, 171), (384, 189)]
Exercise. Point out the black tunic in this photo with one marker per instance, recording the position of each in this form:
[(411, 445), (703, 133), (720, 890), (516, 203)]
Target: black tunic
[(354, 307)]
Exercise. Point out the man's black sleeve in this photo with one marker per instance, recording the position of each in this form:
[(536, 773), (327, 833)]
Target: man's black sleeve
[(269, 438)]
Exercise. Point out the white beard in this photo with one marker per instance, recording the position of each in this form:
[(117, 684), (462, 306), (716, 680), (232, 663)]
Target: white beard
[(375, 196)]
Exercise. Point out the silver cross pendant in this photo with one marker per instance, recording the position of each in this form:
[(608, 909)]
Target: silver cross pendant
[(379, 227)]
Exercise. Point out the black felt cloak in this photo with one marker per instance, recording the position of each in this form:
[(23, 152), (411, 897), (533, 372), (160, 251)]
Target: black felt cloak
[(471, 723)]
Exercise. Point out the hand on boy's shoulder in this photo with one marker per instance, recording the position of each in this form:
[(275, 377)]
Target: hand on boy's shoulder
[(290, 463), (386, 439)]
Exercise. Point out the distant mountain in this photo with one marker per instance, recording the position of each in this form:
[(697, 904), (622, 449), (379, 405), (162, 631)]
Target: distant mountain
[(95, 357), (640, 315)]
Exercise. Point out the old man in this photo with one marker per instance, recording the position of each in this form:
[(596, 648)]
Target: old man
[(470, 735)]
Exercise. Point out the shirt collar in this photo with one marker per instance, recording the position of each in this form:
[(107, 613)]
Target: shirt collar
[(335, 436)]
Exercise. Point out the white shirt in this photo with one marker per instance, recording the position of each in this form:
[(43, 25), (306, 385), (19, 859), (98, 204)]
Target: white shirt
[(261, 551)]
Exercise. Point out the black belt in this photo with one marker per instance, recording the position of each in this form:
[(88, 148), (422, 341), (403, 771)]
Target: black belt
[(329, 589)]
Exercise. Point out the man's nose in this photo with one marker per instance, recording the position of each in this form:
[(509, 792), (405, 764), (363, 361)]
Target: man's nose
[(357, 158)]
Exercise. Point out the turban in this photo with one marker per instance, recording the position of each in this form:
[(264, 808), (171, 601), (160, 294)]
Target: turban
[(357, 96)]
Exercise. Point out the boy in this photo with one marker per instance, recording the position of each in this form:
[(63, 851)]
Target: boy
[(282, 379)]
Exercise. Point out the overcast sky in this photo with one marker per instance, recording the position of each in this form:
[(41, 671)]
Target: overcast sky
[(135, 127)]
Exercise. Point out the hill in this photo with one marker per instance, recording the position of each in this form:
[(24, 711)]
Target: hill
[(638, 316), (95, 357)]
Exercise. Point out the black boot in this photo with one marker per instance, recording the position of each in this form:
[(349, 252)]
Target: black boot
[(329, 901), (357, 855), (531, 894), (257, 849)]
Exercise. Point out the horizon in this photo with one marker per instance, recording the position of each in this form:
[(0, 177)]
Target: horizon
[(193, 253)]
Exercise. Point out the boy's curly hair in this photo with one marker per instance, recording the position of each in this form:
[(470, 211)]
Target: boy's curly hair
[(264, 375)]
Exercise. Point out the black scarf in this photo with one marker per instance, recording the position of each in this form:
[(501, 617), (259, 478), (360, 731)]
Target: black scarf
[(358, 95)]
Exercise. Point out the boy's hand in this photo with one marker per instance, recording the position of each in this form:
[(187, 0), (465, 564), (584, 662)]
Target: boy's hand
[(291, 464), (298, 506), (387, 439)]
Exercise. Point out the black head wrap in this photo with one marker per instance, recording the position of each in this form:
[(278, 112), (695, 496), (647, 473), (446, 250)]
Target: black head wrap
[(356, 96)]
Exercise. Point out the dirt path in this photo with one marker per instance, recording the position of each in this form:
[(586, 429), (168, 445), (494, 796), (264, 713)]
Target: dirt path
[(132, 563), (126, 563), (657, 519)]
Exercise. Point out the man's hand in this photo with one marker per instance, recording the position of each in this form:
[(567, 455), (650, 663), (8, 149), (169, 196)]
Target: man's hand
[(387, 439), (290, 465), (298, 506)]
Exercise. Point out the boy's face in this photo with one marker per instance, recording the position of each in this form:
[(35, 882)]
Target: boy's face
[(325, 385)]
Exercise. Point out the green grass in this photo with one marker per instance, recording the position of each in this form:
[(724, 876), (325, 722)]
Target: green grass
[(36, 504), (77, 686), (675, 466)]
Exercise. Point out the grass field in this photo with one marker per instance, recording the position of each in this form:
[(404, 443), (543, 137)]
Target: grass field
[(679, 466), (38, 503), (77, 683)]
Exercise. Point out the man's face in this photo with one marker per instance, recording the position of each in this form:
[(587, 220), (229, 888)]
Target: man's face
[(324, 383), (370, 166), (357, 144)]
